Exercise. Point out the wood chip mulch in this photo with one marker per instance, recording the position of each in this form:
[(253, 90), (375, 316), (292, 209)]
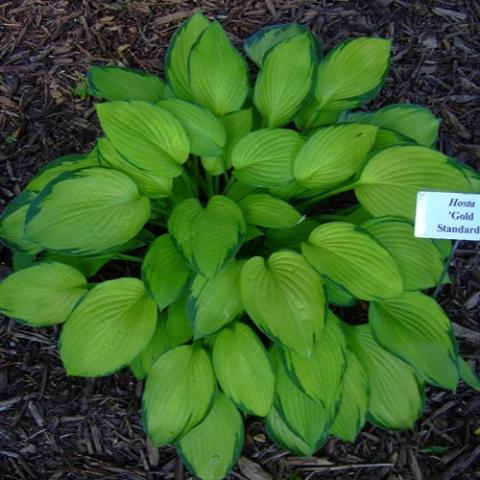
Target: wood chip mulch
[(53, 427)]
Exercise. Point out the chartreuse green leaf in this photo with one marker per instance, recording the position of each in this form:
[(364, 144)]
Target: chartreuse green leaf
[(285, 79), (337, 294), (320, 375), (120, 83), (12, 224), (415, 328), (218, 73), (279, 432), (158, 345), (164, 271), (352, 412), (266, 211), (89, 266), (43, 294), (213, 303), (468, 375), (285, 299), (148, 185), (178, 327), (332, 155), (391, 179), (355, 260), (264, 158), (205, 132), (178, 393), (306, 418), (243, 369), (87, 211), (412, 121), (69, 163), (176, 67), (213, 447), (396, 396), (155, 142), (290, 238), (257, 45), (137, 369), (108, 329), (355, 214), (388, 138), (207, 236), (419, 261)]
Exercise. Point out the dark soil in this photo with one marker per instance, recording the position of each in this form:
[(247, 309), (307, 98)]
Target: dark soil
[(54, 427)]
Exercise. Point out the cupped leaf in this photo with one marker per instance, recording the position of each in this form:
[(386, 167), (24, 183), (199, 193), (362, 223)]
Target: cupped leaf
[(290, 238), (213, 447), (285, 299), (468, 375), (213, 303), (43, 294), (12, 224), (415, 328), (243, 369), (396, 395), (88, 266), (391, 179), (148, 185), (355, 260), (178, 326), (285, 79), (148, 136), (120, 83), (320, 375), (207, 236), (218, 73), (332, 155), (265, 158), (388, 138), (257, 45), (158, 345), (419, 261), (108, 329), (205, 132), (164, 271), (266, 211), (338, 295), (352, 411), (178, 393), (176, 67), (237, 125), (86, 211)]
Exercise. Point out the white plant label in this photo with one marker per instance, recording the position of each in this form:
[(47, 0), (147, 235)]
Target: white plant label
[(453, 216)]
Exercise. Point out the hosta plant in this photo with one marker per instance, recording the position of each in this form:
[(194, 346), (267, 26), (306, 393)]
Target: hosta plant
[(194, 244)]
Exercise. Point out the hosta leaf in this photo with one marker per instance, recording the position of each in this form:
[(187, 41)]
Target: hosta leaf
[(349, 256), (178, 327), (337, 294), (89, 266), (218, 73), (158, 345), (213, 303), (12, 224), (419, 261), (468, 375), (290, 238), (120, 83), (164, 271), (285, 79), (320, 375), (352, 412), (205, 132), (243, 369), (415, 328), (412, 121), (391, 179), (148, 185), (388, 138), (333, 154), (178, 393), (43, 294), (207, 236), (267, 211), (108, 329), (257, 45), (213, 447), (306, 418), (154, 142), (285, 299), (396, 396), (86, 212), (265, 158), (176, 67)]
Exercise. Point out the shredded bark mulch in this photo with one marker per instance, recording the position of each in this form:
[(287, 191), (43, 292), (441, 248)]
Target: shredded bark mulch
[(54, 427)]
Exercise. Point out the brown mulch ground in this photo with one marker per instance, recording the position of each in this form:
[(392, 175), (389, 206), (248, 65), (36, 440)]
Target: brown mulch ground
[(54, 427)]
